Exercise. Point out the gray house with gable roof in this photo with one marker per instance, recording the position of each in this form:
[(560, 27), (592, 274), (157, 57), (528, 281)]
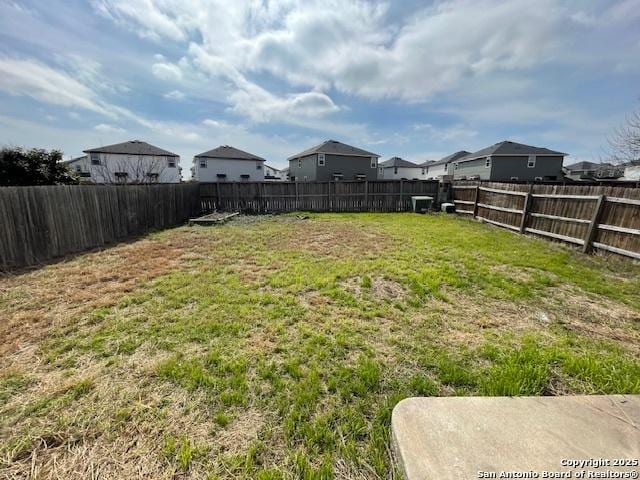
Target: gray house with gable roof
[(227, 164), (333, 160), (507, 161)]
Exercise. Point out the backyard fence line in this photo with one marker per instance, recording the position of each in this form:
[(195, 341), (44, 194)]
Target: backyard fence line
[(340, 196), (45, 222), (601, 217)]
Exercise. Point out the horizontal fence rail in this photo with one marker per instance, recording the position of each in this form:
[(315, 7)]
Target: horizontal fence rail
[(601, 217), (341, 196), (45, 222)]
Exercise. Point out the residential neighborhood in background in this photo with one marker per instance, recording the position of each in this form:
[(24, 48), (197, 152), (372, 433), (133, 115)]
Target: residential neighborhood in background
[(139, 162), (227, 164), (129, 162)]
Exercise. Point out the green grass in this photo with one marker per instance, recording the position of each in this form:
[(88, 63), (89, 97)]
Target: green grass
[(305, 334)]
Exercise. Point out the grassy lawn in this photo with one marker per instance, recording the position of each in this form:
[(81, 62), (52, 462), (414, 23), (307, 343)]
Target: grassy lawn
[(276, 347)]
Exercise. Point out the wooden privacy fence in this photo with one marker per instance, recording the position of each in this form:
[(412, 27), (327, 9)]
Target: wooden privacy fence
[(357, 196), (40, 223), (604, 218)]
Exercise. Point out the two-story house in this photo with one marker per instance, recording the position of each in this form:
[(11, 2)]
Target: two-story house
[(227, 164), (129, 162), (397, 168), (331, 161), (507, 161)]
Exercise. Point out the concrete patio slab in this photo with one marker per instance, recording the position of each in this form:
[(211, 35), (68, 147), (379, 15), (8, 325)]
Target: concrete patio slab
[(517, 437)]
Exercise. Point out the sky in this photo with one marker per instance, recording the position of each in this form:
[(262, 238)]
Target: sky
[(414, 79)]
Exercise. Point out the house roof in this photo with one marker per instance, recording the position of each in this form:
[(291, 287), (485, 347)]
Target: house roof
[(67, 162), (334, 147), (134, 147), (507, 148), (447, 159), (587, 166), (227, 151), (272, 168), (397, 162)]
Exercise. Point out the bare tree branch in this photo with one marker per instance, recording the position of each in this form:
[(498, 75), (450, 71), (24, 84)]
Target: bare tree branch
[(625, 140)]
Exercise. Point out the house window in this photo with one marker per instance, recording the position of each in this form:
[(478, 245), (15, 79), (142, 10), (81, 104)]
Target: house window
[(258, 167), (395, 170), (538, 179), (305, 178), (171, 161), (514, 178), (531, 162), (153, 177), (337, 176), (487, 163), (321, 159), (374, 162), (381, 170), (299, 163), (360, 176), (78, 169), (244, 178), (121, 177), (455, 166), (95, 158), (203, 163), (424, 170)]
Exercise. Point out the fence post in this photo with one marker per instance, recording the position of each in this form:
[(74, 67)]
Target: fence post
[(218, 207), (593, 226), (366, 195), (475, 202), (525, 212), (401, 204), (297, 200)]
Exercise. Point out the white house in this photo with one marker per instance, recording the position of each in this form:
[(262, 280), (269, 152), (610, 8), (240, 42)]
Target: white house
[(396, 168), (272, 174), (227, 164), (128, 162), (437, 170)]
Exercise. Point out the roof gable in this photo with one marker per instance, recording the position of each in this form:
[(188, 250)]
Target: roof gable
[(333, 147), (229, 152), (133, 147)]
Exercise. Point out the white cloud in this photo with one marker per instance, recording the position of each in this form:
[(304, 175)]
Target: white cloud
[(455, 132), (106, 128), (36, 80), (174, 95), (346, 44), (167, 71)]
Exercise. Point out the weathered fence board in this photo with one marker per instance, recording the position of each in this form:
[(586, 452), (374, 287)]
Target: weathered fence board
[(41, 223), (360, 196), (592, 216)]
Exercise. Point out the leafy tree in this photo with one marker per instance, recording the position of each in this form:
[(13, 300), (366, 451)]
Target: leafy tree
[(20, 166)]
